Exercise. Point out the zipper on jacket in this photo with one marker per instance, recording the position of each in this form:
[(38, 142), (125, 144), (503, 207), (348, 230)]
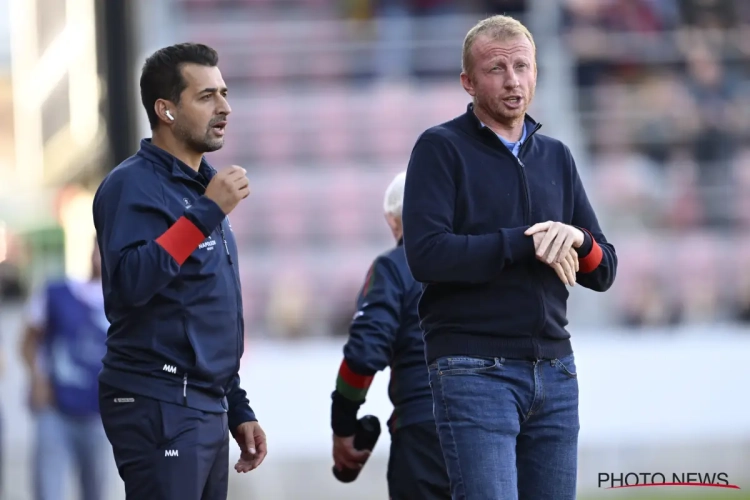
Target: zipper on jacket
[(526, 193), (184, 389), (527, 220), (240, 334), (224, 240), (237, 289), (522, 170), (542, 305)]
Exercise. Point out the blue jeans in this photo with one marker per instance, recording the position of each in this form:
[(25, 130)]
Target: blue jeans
[(508, 428), (62, 440)]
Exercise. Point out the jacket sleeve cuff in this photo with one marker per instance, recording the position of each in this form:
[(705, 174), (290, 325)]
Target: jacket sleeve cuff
[(517, 245), (205, 214), (588, 243), (589, 254), (343, 415), (240, 415)]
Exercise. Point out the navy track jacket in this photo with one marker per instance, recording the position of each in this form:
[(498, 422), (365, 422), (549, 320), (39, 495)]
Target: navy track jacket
[(171, 286), (467, 202), (384, 333)]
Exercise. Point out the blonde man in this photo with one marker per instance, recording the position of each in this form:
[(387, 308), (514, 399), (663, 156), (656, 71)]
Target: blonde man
[(496, 224)]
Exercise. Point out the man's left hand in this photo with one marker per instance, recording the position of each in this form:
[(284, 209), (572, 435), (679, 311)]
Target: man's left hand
[(553, 240), (252, 441), (567, 269)]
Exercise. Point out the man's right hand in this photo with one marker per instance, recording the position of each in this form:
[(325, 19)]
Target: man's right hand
[(345, 455), (228, 188)]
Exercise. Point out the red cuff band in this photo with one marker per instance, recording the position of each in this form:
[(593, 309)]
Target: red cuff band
[(354, 380), (181, 239), (593, 259)]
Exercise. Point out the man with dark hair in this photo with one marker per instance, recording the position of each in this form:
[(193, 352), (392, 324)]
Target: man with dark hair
[(170, 389)]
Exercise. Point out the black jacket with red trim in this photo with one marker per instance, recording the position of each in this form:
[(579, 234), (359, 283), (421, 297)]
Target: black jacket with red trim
[(384, 333), (467, 203), (171, 286)]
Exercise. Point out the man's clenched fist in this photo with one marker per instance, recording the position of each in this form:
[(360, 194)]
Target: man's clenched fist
[(228, 188)]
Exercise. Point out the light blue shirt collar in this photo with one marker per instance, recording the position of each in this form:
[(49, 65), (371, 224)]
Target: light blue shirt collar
[(514, 147)]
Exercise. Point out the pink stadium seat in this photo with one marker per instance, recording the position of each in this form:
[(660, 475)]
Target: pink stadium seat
[(345, 205), (285, 209), (270, 121), (333, 123), (390, 138)]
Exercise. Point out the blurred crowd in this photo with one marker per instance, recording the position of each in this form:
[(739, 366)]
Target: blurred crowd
[(663, 95), (329, 96), (366, 9)]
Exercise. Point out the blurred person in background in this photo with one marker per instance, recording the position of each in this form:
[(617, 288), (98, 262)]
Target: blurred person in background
[(3, 257), (170, 391), (496, 223), (62, 349), (2, 371), (384, 333)]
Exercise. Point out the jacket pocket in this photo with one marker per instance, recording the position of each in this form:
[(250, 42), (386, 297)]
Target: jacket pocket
[(566, 365), (171, 345), (133, 423), (178, 424), (190, 345)]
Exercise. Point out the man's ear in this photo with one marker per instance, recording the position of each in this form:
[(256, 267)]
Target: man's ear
[(164, 109), (467, 84)]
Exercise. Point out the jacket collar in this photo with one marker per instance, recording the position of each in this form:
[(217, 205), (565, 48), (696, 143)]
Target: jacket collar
[(175, 166), (470, 119)]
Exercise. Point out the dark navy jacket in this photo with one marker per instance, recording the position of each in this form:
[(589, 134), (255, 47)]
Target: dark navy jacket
[(385, 333), (467, 202), (171, 286)]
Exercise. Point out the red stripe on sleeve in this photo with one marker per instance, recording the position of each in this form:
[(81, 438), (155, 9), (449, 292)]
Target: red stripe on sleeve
[(181, 239), (352, 379), (593, 259)]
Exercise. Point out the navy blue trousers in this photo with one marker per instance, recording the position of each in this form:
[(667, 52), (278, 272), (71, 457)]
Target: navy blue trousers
[(416, 468), (165, 451)]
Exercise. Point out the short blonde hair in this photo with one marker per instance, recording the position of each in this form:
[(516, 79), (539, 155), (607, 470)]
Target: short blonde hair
[(496, 27), (394, 196)]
